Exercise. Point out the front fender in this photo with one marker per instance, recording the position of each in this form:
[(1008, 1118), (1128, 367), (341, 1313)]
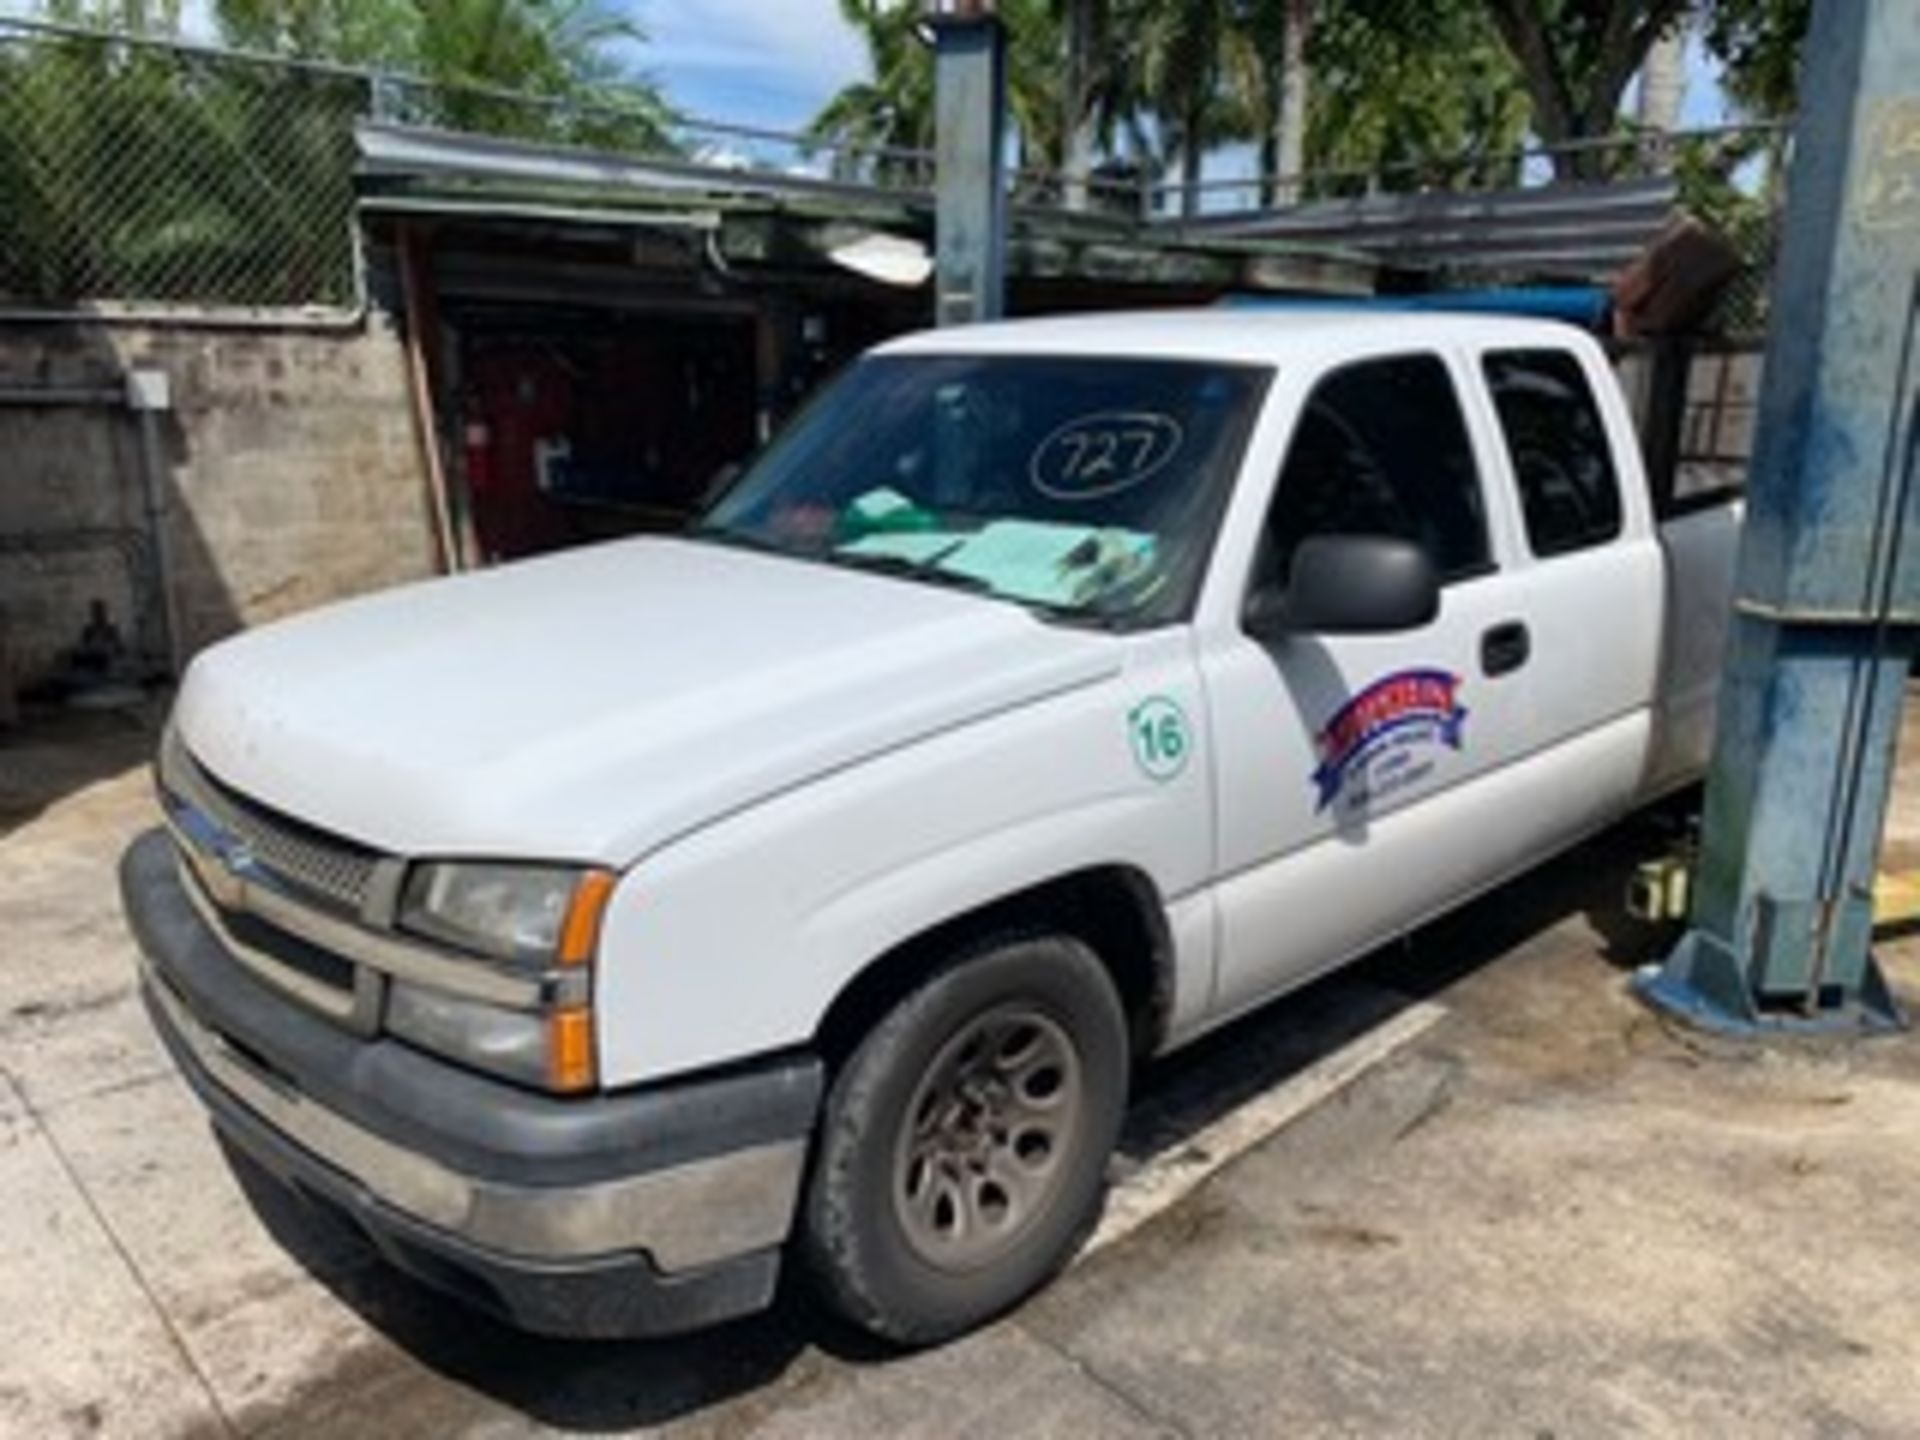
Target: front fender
[(737, 940)]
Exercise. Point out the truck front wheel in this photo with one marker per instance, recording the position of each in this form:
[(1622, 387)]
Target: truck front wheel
[(964, 1148)]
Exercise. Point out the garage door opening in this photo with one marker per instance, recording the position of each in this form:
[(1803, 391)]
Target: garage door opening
[(576, 426)]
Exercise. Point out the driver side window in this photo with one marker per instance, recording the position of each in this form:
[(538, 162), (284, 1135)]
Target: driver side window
[(1381, 448)]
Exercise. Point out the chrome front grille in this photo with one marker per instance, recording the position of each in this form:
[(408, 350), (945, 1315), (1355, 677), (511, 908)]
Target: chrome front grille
[(308, 911), (319, 865)]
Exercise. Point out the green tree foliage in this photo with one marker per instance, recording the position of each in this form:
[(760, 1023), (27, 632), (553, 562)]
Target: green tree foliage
[(1398, 105), (1395, 83), (1199, 73), (467, 53), (125, 17), (1576, 58), (1157, 72), (894, 109), (1759, 42), (348, 32), (1276, 91)]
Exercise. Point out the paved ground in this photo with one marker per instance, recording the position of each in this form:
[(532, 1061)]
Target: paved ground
[(1548, 1215)]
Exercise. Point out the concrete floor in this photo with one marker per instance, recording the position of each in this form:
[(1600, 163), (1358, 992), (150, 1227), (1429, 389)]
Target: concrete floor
[(1550, 1215)]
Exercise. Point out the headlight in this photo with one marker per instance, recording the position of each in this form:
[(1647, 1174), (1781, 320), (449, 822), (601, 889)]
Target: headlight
[(508, 912), (549, 1049), (544, 918)]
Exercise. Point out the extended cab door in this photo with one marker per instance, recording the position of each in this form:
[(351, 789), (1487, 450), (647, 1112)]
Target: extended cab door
[(1591, 562), (1366, 781)]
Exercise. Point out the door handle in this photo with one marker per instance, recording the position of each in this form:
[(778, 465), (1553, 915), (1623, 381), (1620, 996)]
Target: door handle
[(1505, 648)]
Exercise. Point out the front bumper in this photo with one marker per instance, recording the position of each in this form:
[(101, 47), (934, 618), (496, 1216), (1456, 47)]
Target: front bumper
[(637, 1213)]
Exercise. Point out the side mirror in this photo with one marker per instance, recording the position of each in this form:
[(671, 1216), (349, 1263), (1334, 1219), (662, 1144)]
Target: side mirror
[(1348, 585)]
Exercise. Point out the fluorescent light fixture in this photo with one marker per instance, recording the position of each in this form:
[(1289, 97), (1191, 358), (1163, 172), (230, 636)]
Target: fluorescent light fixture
[(889, 259)]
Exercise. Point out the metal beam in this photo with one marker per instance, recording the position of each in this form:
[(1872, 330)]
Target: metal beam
[(389, 151), (1827, 596), (970, 205)]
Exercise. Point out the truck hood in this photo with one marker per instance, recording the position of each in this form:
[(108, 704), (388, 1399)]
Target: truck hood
[(593, 705)]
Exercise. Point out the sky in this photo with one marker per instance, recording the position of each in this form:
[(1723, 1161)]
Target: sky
[(757, 62)]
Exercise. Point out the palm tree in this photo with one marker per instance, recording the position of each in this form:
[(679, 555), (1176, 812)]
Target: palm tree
[(1277, 33), (894, 108), (1194, 62), (565, 50), (1084, 23)]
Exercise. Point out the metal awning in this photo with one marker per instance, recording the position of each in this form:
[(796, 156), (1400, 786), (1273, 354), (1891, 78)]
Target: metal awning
[(409, 152), (1585, 230), (758, 218)]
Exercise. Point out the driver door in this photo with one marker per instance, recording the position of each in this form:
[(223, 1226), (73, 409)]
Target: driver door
[(1366, 780)]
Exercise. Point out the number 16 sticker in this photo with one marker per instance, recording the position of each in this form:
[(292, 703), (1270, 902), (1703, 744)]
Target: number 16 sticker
[(1158, 730)]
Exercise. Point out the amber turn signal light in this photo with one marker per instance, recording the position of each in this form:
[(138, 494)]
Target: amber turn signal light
[(580, 933), (570, 1061)]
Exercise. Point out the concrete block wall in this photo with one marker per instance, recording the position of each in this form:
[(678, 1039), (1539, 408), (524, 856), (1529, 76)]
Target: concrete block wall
[(67, 487), (292, 471)]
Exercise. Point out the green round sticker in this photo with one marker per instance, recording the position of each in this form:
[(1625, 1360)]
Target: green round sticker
[(1158, 729)]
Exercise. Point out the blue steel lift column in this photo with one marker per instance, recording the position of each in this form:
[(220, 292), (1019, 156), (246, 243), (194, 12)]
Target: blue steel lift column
[(1827, 594), (970, 203)]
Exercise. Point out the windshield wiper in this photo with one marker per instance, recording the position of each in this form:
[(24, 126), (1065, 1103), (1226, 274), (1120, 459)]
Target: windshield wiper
[(911, 570), (1046, 610), (1082, 619), (905, 569), (740, 539)]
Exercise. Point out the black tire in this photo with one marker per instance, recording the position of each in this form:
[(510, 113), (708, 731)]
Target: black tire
[(867, 1233)]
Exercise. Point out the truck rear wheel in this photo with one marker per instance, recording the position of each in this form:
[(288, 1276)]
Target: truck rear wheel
[(964, 1148)]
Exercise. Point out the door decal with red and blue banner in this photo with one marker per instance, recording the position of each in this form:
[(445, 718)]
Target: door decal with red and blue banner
[(1371, 746)]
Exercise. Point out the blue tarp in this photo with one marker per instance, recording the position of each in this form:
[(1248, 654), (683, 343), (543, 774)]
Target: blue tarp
[(1584, 305)]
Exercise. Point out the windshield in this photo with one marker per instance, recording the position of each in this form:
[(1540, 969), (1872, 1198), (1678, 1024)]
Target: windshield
[(1081, 488)]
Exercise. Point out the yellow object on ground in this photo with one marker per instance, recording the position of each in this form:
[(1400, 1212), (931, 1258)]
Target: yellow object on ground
[(1896, 897)]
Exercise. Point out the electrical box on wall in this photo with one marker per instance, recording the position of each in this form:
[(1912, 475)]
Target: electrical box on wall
[(149, 390)]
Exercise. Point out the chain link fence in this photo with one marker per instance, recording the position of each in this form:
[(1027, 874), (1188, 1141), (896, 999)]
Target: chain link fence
[(138, 172), (150, 173), (1737, 184)]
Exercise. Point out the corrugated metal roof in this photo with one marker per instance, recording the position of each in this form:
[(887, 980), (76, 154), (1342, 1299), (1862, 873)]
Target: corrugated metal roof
[(401, 151), (1580, 231), (409, 171)]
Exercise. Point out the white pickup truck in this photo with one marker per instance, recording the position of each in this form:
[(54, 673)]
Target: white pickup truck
[(598, 931)]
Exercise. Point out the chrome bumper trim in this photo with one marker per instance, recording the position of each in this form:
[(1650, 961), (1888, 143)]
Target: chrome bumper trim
[(684, 1217)]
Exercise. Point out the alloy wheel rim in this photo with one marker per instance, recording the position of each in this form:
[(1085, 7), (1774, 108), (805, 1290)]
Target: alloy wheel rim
[(985, 1142)]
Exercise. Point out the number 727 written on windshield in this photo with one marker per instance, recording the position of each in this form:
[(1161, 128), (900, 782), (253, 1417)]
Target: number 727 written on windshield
[(1101, 454)]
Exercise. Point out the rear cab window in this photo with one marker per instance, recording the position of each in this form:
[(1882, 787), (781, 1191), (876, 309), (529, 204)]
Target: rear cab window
[(1381, 448), (1557, 444)]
